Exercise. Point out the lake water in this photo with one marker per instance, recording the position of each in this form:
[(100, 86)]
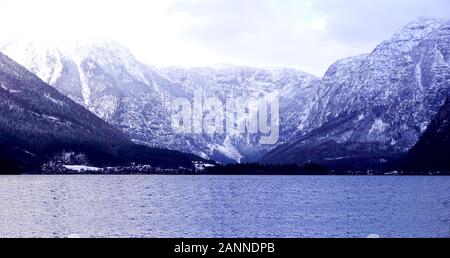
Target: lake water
[(221, 206)]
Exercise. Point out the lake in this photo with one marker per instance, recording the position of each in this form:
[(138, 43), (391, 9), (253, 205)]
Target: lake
[(224, 206)]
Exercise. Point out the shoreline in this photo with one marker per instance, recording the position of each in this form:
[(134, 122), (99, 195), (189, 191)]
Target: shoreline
[(231, 175)]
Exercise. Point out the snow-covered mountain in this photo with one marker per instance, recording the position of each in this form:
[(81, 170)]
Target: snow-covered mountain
[(369, 108), (375, 107), (296, 90), (38, 123), (108, 80)]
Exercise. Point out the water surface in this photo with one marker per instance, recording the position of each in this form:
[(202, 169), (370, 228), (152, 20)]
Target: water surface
[(221, 206)]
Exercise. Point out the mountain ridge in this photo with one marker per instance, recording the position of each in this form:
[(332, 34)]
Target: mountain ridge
[(373, 108), (38, 123), (136, 97), (367, 109)]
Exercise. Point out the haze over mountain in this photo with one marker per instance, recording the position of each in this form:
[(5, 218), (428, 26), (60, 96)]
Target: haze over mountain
[(38, 123)]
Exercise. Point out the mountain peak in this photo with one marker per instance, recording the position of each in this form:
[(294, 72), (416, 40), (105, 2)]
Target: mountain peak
[(409, 36), (426, 20), (66, 48), (418, 29), (373, 108)]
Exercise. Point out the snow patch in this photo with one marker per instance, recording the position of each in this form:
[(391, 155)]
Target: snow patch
[(338, 158), (393, 142), (58, 102), (378, 127), (9, 90), (229, 150), (80, 168), (423, 127), (85, 90), (51, 118)]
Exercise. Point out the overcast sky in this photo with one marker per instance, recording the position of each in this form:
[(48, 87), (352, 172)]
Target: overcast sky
[(305, 34)]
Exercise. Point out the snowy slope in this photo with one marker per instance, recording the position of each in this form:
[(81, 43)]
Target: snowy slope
[(38, 124), (108, 80), (297, 92), (375, 107)]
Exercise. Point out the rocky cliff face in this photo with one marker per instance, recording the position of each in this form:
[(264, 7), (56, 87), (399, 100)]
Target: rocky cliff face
[(374, 107), (110, 82), (297, 91), (38, 123)]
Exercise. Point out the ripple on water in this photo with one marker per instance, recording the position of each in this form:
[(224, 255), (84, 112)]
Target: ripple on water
[(120, 206)]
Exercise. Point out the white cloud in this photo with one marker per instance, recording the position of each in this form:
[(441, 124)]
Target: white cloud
[(306, 34), (143, 25)]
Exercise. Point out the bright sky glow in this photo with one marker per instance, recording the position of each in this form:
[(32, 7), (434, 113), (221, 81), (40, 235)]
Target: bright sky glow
[(308, 35)]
